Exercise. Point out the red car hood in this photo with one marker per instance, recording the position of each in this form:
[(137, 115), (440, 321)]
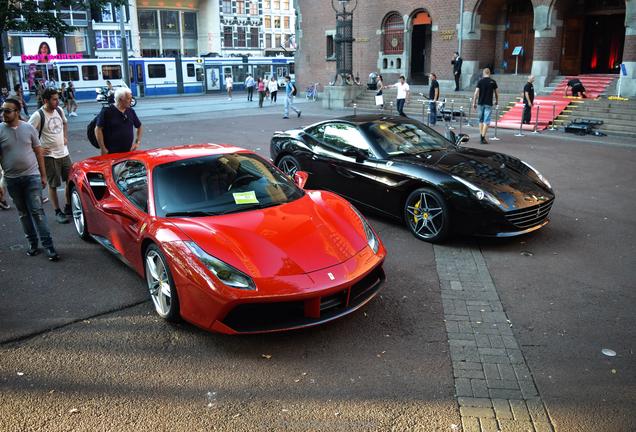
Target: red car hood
[(317, 231)]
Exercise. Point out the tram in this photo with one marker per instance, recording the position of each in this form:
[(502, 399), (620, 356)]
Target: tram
[(149, 76)]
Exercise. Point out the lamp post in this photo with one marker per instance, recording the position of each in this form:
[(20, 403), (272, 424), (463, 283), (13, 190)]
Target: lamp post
[(344, 38)]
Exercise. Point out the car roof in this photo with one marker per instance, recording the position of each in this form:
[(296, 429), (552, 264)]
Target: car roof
[(370, 118)]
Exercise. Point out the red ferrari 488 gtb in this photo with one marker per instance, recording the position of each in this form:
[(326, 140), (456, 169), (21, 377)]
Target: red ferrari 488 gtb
[(225, 240)]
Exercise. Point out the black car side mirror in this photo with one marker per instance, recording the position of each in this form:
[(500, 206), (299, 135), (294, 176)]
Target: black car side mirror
[(354, 153)]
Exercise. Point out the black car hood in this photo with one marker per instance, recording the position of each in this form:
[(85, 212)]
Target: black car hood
[(505, 177)]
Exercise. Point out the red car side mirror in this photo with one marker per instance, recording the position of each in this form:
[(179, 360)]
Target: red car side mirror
[(114, 208), (300, 178)]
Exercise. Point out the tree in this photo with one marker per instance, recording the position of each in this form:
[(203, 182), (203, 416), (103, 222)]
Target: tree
[(29, 15)]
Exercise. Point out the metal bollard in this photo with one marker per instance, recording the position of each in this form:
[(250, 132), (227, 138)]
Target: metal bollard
[(536, 121), (461, 118), (428, 117), (552, 126), (452, 110), (355, 109), (520, 134), (495, 138), (391, 104), (470, 110), (423, 109)]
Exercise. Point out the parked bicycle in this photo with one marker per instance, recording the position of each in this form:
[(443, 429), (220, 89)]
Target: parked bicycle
[(311, 93)]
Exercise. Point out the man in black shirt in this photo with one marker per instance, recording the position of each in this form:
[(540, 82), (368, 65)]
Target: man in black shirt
[(433, 96), (482, 101), (577, 87), (457, 69), (528, 100), (114, 127)]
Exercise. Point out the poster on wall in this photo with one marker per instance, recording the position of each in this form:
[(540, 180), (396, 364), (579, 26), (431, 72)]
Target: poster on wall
[(43, 50)]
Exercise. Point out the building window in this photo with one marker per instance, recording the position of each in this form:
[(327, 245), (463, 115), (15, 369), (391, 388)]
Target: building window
[(240, 37), (111, 72), (227, 37), (254, 7), (393, 40), (254, 37), (331, 52), (89, 73), (277, 22), (148, 21), (107, 13), (266, 4), (276, 4), (268, 40), (285, 4), (268, 22), (277, 40), (227, 6), (110, 39), (156, 71), (240, 6), (286, 23), (69, 73)]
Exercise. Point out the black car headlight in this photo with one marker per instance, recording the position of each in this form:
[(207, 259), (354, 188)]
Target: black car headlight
[(478, 193), (224, 272), (539, 175), (372, 239)]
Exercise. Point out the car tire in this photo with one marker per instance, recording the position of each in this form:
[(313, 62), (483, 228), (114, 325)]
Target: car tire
[(426, 215), (79, 217), (289, 165), (160, 284)]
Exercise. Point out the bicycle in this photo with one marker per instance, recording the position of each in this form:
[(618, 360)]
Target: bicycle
[(311, 92)]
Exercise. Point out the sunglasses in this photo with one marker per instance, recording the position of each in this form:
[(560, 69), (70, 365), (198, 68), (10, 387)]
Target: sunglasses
[(8, 110)]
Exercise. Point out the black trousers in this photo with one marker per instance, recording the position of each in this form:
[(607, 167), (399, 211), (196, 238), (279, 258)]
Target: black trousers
[(527, 114), (250, 93), (457, 76)]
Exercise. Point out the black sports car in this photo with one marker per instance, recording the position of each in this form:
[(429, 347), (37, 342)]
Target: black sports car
[(405, 170)]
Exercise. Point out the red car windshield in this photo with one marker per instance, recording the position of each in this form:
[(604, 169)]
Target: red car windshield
[(220, 184)]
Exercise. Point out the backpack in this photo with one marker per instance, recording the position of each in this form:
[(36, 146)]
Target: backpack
[(42, 119), (294, 90), (90, 130)]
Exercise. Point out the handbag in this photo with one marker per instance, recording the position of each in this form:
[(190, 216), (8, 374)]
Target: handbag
[(379, 100)]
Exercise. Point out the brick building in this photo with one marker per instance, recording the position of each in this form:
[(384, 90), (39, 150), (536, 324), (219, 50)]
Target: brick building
[(559, 37)]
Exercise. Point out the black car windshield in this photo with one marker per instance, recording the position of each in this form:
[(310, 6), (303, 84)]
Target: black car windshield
[(220, 184), (397, 138)]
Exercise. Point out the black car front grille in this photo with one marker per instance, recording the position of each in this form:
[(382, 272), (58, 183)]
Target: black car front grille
[(529, 216), (271, 316)]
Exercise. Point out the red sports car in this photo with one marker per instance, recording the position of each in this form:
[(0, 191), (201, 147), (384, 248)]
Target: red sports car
[(225, 240)]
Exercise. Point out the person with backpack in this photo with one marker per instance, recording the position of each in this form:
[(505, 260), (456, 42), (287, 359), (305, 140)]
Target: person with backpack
[(71, 103), (114, 125), (290, 92), (52, 127)]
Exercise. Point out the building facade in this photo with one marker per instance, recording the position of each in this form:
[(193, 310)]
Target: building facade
[(414, 38)]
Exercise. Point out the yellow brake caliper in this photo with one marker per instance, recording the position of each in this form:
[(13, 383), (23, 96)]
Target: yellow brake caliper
[(416, 213)]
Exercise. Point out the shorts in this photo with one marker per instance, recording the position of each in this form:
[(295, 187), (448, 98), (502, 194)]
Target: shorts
[(57, 169), (484, 112)]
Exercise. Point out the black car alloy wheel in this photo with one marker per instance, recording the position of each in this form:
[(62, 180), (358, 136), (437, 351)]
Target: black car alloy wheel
[(426, 215), (289, 165)]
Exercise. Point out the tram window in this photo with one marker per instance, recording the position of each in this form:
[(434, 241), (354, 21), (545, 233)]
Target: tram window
[(200, 74), (111, 72), (69, 73), (156, 71), (190, 67), (89, 73)]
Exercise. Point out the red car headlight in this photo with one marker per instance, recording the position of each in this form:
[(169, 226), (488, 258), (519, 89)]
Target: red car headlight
[(224, 272), (372, 239)]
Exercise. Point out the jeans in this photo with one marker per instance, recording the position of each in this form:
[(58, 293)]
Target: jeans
[(432, 118), (400, 107), (484, 112), (26, 194), (289, 103)]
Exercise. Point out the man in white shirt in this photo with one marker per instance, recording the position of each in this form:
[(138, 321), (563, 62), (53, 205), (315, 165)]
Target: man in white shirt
[(403, 94), (249, 86), (52, 128)]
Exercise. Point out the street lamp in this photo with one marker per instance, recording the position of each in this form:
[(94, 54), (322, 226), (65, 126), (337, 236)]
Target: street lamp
[(344, 38)]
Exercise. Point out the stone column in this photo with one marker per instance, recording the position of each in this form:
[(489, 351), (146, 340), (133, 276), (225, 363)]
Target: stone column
[(470, 49), (546, 44), (209, 27), (628, 83)]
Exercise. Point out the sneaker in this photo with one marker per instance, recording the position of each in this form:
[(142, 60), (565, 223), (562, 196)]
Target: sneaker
[(484, 140), (73, 114), (67, 210), (60, 217), (299, 113), (45, 199), (33, 250), (51, 253), (285, 117), (4, 205)]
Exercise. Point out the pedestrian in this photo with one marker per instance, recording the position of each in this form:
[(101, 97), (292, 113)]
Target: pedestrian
[(115, 123), (528, 100), (249, 86), (4, 95), (19, 95), (52, 128), (23, 162), (272, 86), (290, 89), (4, 205), (62, 94), (39, 89), (457, 69), (261, 92), (379, 86), (110, 93), (71, 101), (403, 94), (577, 88), (482, 101), (229, 84), (433, 96)]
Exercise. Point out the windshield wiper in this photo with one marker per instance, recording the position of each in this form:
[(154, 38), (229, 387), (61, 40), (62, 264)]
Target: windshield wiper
[(251, 207), (193, 213)]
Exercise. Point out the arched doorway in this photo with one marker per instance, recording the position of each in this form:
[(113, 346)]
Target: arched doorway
[(421, 41), (519, 33)]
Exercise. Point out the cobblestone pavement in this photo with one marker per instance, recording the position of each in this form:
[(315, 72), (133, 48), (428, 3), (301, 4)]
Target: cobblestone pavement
[(493, 384)]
